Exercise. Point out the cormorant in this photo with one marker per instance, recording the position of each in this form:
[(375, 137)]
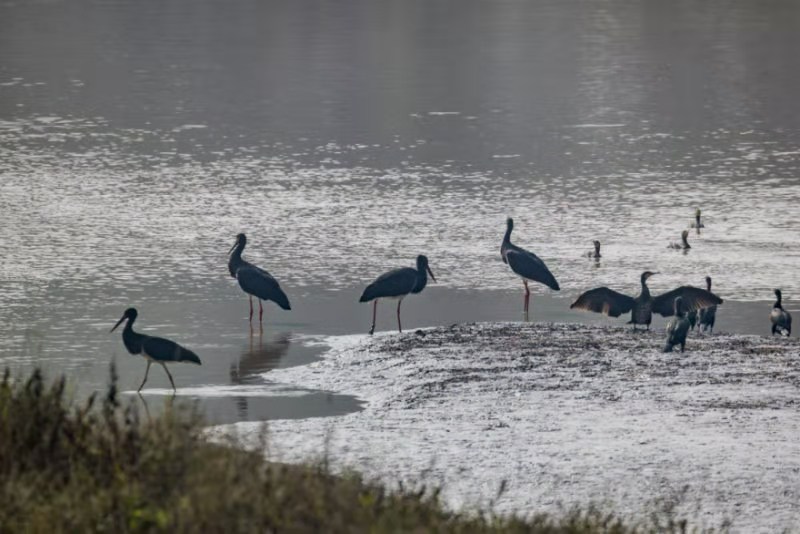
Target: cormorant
[(781, 319), (677, 328), (614, 304), (596, 253), (684, 244), (526, 265), (697, 224), (708, 315), (692, 317)]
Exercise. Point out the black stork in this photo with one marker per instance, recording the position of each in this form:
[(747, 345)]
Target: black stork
[(707, 316), (154, 349), (781, 319), (613, 304), (525, 264), (397, 284), (255, 281)]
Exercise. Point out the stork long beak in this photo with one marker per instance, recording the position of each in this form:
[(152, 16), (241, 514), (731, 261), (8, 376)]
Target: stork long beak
[(118, 323), (431, 273)]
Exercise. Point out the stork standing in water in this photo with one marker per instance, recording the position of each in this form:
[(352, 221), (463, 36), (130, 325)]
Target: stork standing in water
[(642, 307), (526, 265), (397, 284), (154, 349), (255, 281)]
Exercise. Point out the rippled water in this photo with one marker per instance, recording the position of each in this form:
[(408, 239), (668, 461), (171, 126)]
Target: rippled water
[(345, 140)]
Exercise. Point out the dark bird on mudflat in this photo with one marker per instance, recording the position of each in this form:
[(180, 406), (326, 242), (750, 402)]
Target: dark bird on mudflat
[(692, 317), (611, 303), (596, 252), (525, 264), (397, 284), (255, 281), (684, 244), (781, 319), (677, 328), (154, 349), (707, 316)]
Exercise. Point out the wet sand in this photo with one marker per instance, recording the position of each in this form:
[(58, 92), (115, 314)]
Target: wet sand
[(564, 414)]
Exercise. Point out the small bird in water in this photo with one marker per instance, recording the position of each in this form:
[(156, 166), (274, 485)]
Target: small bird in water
[(781, 319), (684, 244), (611, 303), (596, 253), (397, 284), (708, 315), (155, 349), (697, 224), (677, 328), (526, 265), (255, 281)]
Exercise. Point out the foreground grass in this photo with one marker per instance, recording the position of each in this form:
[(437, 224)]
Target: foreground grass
[(100, 467)]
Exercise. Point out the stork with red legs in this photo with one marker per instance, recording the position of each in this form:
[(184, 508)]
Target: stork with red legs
[(255, 281), (397, 284), (525, 264)]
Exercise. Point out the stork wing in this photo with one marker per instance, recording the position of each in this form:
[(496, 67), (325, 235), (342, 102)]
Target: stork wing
[(528, 265), (604, 300), (258, 282), (694, 298), (164, 350), (392, 284)]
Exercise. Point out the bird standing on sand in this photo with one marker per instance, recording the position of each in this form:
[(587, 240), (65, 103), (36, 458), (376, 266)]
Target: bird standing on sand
[(397, 284), (677, 328), (781, 319), (708, 315), (596, 253), (155, 349), (255, 281), (684, 244), (526, 265), (614, 304)]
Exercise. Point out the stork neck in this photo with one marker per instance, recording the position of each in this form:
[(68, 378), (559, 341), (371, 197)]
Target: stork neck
[(507, 237), (236, 259), (778, 302)]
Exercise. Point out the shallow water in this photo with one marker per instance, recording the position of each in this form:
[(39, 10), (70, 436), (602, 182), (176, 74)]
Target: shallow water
[(136, 142)]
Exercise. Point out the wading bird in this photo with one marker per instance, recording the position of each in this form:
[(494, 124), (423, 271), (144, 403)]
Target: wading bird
[(684, 244), (154, 349), (708, 315), (526, 265), (677, 328), (613, 304), (596, 253), (255, 281), (397, 284), (781, 319)]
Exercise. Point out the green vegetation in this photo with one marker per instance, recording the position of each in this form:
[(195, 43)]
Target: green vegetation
[(100, 467)]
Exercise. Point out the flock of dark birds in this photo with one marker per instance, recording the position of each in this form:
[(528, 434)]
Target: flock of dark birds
[(690, 306)]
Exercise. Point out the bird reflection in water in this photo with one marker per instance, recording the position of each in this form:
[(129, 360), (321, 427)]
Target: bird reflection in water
[(256, 359)]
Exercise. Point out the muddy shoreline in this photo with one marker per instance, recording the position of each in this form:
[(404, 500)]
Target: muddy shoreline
[(562, 415)]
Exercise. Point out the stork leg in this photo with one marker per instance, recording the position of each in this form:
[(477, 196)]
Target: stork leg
[(260, 311), (527, 295), (145, 377), (399, 326), (374, 312), (251, 307), (171, 381)]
